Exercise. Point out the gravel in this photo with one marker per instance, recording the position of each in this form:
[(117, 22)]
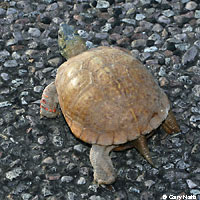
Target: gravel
[(41, 159)]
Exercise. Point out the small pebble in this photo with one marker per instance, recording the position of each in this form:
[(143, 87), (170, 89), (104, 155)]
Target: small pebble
[(94, 197), (191, 184), (101, 36), (42, 139), (168, 13), (149, 183), (163, 19), (81, 181), (182, 47), (48, 160), (154, 36), (93, 188), (71, 196), (145, 2), (53, 177), (129, 21), (139, 17), (2, 11), (5, 104), (15, 56), (197, 14), (102, 4), (106, 27), (79, 147), (11, 11), (55, 62), (84, 34), (66, 179), (38, 89), (182, 165), (39, 64), (20, 111), (52, 7), (197, 43), (22, 72), (191, 5), (46, 191), (150, 49), (10, 63), (189, 55), (34, 32), (157, 28), (57, 141), (4, 55), (196, 90), (195, 192), (138, 43), (162, 71), (5, 76), (195, 118), (14, 173), (26, 196)]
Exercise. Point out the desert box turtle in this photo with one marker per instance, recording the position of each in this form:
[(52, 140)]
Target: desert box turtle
[(108, 98)]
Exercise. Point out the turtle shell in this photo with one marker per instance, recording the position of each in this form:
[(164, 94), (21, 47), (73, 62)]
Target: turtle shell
[(108, 97)]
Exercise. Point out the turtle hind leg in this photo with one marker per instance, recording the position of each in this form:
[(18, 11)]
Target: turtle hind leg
[(140, 144), (49, 102), (170, 124)]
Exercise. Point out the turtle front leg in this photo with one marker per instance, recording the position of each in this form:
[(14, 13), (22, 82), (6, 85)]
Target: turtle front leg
[(104, 172), (49, 102)]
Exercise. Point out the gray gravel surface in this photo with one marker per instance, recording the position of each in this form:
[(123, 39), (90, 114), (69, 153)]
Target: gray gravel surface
[(41, 159)]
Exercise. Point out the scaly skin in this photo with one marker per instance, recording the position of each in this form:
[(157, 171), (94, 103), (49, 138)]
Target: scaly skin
[(170, 125), (49, 102), (104, 172)]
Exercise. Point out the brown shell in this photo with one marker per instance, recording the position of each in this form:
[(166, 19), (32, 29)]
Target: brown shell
[(108, 97)]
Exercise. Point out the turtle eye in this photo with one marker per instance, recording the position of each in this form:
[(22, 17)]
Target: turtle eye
[(43, 101)]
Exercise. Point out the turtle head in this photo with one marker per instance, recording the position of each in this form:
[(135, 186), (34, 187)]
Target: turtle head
[(69, 41)]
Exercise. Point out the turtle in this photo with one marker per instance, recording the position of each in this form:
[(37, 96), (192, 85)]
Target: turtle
[(108, 98)]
